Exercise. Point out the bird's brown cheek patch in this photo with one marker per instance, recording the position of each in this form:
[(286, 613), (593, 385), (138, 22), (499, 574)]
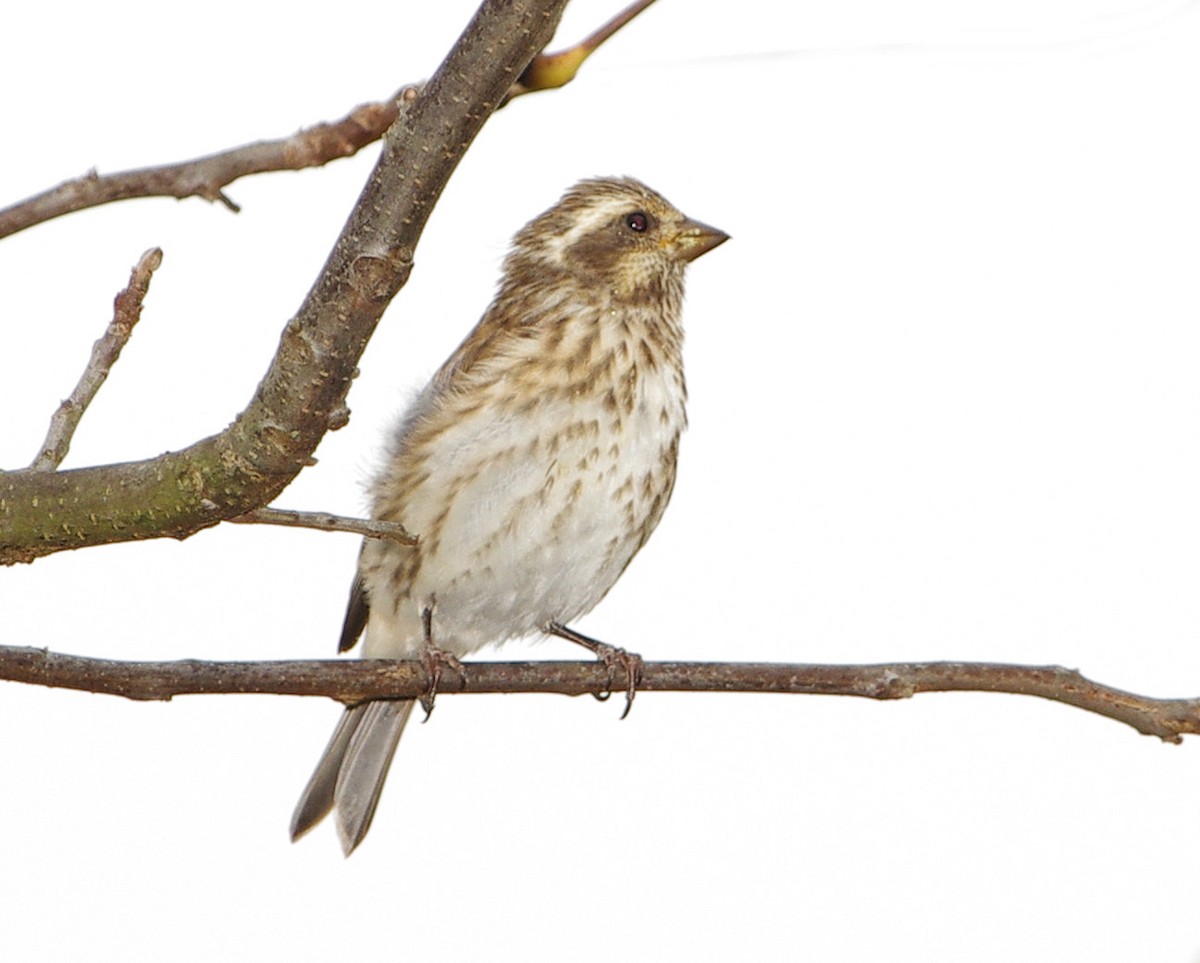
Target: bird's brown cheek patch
[(599, 255)]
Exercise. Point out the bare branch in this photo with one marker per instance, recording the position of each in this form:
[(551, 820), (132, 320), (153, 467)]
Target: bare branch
[(361, 679), (325, 522), (303, 393), (314, 146), (206, 176), (549, 70), (127, 309)]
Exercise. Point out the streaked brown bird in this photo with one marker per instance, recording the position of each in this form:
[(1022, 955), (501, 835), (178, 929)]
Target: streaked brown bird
[(533, 466)]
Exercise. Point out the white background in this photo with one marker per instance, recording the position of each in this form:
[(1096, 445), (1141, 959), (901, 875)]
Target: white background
[(944, 406)]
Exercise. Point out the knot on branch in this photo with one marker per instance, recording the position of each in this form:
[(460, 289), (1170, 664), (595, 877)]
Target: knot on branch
[(377, 278), (891, 685)]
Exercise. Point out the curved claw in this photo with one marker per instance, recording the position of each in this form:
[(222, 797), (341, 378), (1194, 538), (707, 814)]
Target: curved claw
[(435, 662), (615, 659), (632, 664)]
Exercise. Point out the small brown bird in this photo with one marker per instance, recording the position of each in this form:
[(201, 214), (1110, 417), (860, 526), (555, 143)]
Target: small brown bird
[(532, 467)]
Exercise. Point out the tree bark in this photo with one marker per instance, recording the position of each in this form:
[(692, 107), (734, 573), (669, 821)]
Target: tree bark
[(362, 679), (304, 391)]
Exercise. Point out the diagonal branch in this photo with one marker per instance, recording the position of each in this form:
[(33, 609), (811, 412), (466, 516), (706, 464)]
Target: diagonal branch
[(127, 310), (358, 680), (207, 177), (549, 70), (303, 393)]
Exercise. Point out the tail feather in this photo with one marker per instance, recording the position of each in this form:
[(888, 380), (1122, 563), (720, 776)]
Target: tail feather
[(352, 770), (317, 799), (365, 767)]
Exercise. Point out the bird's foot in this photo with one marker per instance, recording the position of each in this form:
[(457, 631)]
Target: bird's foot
[(615, 659), (618, 660), (435, 661)]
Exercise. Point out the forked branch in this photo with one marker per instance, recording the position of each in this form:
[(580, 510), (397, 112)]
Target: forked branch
[(303, 393), (207, 177)]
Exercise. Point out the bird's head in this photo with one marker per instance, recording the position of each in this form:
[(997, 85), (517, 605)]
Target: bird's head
[(613, 234)]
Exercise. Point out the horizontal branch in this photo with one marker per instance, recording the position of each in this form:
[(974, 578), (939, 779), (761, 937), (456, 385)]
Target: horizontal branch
[(207, 177), (325, 522), (358, 680)]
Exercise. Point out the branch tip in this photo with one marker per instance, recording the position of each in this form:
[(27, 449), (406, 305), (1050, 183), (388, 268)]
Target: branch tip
[(551, 70), (326, 522), (127, 310)]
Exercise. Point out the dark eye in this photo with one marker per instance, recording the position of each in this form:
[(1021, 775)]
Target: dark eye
[(637, 222)]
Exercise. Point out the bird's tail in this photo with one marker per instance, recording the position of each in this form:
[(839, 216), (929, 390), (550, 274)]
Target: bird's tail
[(352, 769)]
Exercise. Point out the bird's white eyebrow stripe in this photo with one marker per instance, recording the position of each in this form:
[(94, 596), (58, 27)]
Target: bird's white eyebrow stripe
[(597, 216)]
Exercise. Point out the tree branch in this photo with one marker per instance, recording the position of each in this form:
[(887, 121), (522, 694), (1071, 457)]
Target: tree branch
[(303, 393), (325, 522), (358, 680), (549, 70), (127, 309), (206, 177), (314, 146)]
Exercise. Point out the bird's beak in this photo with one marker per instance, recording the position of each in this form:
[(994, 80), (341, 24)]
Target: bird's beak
[(694, 239)]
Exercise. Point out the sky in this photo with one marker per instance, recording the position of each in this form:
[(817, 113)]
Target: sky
[(943, 406)]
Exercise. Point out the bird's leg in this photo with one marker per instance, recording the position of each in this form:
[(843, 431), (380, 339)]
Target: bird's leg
[(614, 658), (435, 660)]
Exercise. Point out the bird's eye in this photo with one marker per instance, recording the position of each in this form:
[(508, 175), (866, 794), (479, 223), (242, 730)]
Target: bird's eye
[(637, 222)]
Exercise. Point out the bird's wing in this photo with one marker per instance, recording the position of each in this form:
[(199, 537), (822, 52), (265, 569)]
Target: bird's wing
[(356, 616)]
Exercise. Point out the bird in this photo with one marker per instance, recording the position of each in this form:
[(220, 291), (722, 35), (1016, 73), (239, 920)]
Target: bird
[(532, 467)]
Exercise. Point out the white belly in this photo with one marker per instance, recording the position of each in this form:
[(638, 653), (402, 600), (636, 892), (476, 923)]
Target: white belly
[(540, 524)]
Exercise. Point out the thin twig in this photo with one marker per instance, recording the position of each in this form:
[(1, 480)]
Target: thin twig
[(549, 70), (358, 680), (325, 522), (207, 177), (127, 309), (302, 395)]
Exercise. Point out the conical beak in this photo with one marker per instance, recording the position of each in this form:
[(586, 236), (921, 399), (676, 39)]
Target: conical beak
[(694, 239)]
